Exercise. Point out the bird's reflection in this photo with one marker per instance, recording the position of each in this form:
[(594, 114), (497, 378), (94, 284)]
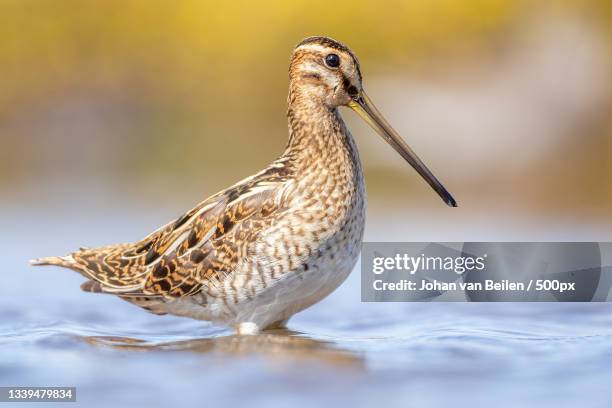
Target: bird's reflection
[(274, 344)]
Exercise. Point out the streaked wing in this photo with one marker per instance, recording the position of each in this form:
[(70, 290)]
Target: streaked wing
[(199, 248)]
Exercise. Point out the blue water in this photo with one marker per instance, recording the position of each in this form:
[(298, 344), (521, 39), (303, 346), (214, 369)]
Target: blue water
[(339, 352)]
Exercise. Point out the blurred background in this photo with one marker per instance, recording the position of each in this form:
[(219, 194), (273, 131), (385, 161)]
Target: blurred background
[(145, 106), (119, 115)]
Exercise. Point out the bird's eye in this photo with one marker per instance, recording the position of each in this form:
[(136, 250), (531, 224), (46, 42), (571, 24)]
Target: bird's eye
[(332, 61)]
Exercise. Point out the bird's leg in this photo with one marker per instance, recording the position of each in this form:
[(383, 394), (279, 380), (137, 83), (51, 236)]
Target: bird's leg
[(247, 329), (250, 328)]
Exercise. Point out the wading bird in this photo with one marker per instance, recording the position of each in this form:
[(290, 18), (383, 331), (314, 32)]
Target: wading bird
[(275, 243)]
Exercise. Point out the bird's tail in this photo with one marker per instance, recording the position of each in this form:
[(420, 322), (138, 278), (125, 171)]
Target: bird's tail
[(65, 261)]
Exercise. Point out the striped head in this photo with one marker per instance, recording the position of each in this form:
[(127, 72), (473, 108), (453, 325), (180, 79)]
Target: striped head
[(325, 73), (325, 69)]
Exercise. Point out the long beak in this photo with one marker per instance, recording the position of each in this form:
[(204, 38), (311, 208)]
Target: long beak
[(365, 108)]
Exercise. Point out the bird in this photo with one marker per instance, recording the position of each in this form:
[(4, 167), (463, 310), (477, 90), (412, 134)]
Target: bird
[(277, 242)]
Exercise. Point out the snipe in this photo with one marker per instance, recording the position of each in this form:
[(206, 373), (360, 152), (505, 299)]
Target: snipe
[(277, 242)]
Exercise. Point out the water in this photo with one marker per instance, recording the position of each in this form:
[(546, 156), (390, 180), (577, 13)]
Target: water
[(340, 351)]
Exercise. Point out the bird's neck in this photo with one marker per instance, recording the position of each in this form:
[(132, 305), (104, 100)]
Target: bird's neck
[(322, 159), (317, 134)]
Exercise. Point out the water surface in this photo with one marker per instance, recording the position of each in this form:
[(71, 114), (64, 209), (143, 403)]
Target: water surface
[(339, 352)]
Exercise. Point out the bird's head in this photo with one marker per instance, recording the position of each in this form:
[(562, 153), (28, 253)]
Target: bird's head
[(327, 72)]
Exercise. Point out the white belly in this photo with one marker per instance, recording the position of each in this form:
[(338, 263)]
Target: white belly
[(297, 290)]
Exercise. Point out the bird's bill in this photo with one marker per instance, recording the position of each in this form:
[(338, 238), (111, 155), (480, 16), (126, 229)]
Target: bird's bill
[(365, 108)]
